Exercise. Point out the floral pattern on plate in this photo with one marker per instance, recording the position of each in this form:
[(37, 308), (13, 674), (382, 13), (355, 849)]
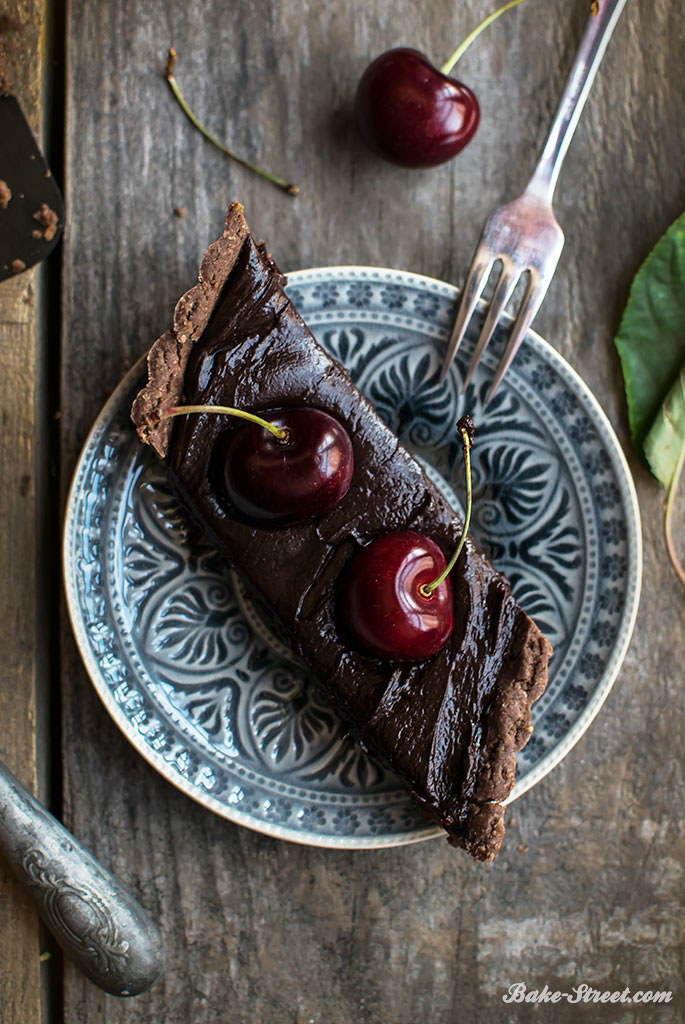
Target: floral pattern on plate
[(208, 691)]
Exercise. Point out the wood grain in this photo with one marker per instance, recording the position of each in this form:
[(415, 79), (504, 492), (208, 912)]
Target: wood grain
[(22, 482), (588, 885)]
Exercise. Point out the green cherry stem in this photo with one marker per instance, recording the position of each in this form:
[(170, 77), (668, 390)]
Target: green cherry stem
[(292, 190), (465, 428), (668, 514), (227, 410), (463, 47)]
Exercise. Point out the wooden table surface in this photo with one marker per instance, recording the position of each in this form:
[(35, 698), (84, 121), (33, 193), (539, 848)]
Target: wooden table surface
[(588, 887)]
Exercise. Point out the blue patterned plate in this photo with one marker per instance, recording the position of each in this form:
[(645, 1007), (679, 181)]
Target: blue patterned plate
[(210, 696)]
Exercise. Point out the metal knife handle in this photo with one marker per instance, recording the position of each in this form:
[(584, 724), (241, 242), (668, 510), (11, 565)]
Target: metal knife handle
[(100, 926)]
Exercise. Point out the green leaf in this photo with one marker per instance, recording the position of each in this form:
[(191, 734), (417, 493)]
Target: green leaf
[(651, 338), (665, 441), (651, 345)]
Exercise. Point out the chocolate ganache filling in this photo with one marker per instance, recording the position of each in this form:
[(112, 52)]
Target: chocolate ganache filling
[(449, 726)]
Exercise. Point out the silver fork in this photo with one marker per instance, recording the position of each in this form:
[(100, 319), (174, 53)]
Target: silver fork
[(524, 235)]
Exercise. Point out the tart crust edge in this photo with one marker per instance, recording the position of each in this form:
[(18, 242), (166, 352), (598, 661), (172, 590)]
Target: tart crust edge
[(168, 356)]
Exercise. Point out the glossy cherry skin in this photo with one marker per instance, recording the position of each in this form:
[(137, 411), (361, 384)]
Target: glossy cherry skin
[(411, 113), (283, 481), (382, 603)]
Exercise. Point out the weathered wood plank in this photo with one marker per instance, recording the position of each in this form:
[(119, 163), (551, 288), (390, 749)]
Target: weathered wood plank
[(22, 481), (267, 931)]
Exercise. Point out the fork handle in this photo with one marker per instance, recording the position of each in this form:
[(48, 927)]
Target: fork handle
[(594, 42)]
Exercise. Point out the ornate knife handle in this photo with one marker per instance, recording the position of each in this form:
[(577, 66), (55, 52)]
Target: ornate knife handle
[(100, 926)]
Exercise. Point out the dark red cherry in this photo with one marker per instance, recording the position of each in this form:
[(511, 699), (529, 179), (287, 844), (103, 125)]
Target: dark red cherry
[(283, 480), (383, 603), (411, 113)]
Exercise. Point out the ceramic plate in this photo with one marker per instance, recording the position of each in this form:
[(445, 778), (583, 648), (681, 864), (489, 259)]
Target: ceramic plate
[(212, 697)]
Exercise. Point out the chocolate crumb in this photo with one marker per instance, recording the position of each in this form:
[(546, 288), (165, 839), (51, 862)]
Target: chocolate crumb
[(180, 211), (48, 219), (5, 194), (521, 848), (36, 233), (17, 266), (594, 7)]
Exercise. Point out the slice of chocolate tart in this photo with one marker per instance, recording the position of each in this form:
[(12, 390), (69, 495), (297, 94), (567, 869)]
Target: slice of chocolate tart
[(449, 726)]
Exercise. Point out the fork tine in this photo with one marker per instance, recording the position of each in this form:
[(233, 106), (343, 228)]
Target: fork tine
[(475, 283), (502, 294), (535, 293)]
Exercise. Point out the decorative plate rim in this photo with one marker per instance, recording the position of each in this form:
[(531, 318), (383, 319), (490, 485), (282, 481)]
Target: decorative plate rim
[(543, 767)]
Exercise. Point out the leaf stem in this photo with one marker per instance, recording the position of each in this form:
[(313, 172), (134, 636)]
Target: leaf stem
[(463, 47), (292, 190), (465, 427), (668, 513), (229, 410)]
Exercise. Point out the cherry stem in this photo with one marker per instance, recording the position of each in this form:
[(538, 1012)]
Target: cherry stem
[(427, 589), (292, 190), (668, 513), (228, 410), (463, 47)]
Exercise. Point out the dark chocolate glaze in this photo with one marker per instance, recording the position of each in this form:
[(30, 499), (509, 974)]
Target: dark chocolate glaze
[(449, 726)]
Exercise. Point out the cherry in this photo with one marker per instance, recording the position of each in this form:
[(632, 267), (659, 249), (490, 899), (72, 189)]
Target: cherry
[(385, 602), (413, 113), (284, 466), (285, 479), (396, 596)]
